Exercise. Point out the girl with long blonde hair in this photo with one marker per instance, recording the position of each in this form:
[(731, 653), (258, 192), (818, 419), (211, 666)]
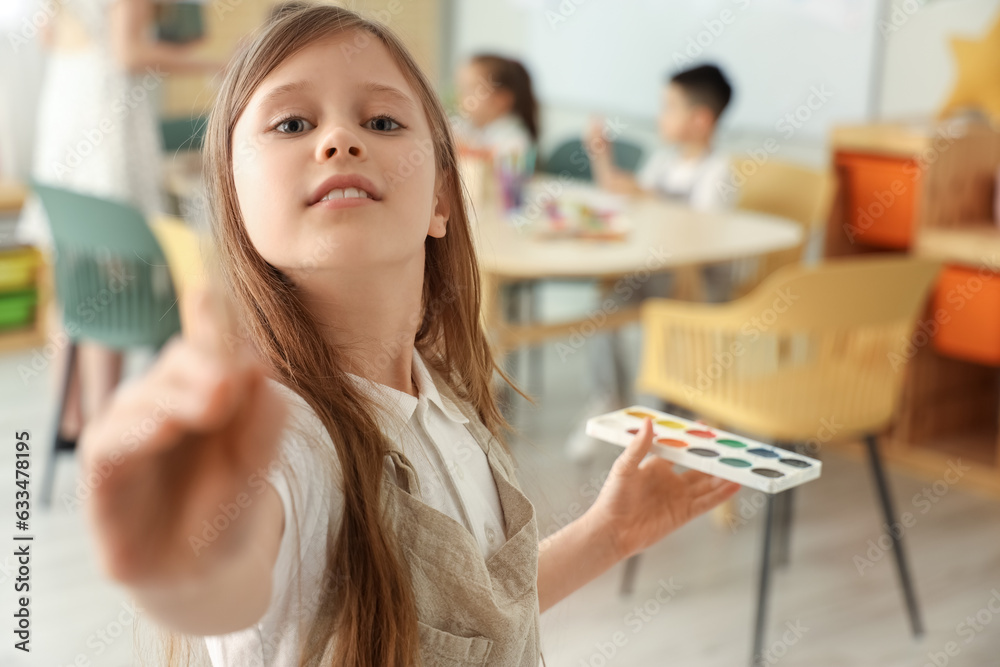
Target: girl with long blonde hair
[(317, 474)]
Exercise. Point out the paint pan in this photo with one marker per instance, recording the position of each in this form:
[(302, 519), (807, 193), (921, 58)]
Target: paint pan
[(753, 464)]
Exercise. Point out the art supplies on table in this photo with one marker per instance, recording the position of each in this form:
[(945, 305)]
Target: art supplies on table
[(583, 214), (710, 450), (513, 170), (496, 178)]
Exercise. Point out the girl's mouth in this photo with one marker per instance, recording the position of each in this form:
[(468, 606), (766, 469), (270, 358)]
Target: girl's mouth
[(351, 188), (345, 198)]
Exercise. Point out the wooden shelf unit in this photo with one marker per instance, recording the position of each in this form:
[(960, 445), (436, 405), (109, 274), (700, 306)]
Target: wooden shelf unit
[(33, 336), (975, 244), (12, 197), (950, 408)]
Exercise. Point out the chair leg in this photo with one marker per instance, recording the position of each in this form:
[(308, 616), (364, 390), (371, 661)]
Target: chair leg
[(623, 395), (785, 504), (783, 541), (629, 574), (520, 307), (512, 308), (760, 622), (535, 352), (48, 481), (909, 593), (508, 296), (523, 307)]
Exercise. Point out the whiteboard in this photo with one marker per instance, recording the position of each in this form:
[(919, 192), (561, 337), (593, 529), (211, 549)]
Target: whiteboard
[(795, 65)]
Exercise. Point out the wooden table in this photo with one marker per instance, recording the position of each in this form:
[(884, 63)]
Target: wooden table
[(664, 236)]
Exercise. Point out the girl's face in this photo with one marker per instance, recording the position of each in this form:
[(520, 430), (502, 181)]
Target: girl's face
[(480, 99), (334, 165)]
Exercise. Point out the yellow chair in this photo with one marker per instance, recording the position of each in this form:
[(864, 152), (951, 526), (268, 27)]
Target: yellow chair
[(184, 249), (790, 191), (815, 354)]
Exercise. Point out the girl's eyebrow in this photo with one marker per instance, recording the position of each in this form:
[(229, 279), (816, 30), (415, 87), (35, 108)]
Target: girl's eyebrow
[(382, 89), (284, 89), (372, 87)]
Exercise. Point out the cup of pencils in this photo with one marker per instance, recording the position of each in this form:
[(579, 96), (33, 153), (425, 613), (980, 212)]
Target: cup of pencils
[(513, 170)]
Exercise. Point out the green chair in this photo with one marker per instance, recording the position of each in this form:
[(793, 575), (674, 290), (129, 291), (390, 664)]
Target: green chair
[(183, 134), (112, 280), (571, 157)]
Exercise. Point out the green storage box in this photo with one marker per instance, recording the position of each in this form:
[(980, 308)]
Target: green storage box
[(17, 309)]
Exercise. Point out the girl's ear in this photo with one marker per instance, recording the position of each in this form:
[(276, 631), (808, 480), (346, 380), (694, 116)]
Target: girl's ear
[(442, 211)]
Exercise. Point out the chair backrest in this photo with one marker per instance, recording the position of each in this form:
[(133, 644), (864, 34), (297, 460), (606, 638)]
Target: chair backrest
[(571, 157), (791, 191), (627, 155), (844, 294), (183, 134), (784, 189), (111, 275), (188, 254), (185, 250), (829, 341)]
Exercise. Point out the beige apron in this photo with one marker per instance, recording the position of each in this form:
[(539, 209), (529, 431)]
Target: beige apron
[(471, 611)]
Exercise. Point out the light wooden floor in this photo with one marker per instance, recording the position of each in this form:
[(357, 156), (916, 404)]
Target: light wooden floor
[(843, 618)]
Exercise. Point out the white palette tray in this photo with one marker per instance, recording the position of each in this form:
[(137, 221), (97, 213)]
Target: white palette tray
[(735, 458)]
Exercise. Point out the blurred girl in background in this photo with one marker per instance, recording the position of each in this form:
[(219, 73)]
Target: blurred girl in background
[(498, 110), (98, 134)]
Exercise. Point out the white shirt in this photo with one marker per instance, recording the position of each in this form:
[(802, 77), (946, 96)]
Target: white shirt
[(704, 183), (505, 136), (454, 475)]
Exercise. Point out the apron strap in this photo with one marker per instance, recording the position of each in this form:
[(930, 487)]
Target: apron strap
[(406, 474)]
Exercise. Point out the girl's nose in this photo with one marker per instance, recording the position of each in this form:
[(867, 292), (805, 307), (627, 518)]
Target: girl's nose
[(340, 142)]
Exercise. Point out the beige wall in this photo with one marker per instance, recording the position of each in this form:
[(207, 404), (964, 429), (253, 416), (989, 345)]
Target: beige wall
[(418, 22)]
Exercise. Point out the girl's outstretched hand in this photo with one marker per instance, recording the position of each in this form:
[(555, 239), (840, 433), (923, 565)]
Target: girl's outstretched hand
[(167, 462), (643, 499)]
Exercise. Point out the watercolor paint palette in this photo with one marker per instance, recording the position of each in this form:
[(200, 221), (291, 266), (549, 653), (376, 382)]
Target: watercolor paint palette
[(735, 458)]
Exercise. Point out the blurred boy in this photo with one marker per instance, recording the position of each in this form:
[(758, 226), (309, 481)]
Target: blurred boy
[(689, 171)]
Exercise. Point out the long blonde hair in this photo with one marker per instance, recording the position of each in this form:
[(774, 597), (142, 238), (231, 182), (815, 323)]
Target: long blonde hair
[(367, 602)]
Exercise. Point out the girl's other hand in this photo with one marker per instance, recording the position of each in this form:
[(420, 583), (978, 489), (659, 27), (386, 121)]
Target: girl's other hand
[(594, 141), (176, 448), (643, 499)]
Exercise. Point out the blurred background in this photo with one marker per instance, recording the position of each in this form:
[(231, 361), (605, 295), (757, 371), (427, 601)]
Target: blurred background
[(778, 217)]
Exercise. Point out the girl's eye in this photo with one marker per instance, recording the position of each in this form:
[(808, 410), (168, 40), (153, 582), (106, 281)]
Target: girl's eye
[(293, 126), (383, 124)]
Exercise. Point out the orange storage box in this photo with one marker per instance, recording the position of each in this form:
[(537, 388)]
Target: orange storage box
[(881, 197), (967, 311)]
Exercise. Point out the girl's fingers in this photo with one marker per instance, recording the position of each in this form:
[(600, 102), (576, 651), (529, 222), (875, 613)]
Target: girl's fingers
[(637, 449), (205, 390), (212, 323), (693, 476), (706, 486), (660, 466), (701, 483), (712, 496), (259, 426), (188, 392)]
